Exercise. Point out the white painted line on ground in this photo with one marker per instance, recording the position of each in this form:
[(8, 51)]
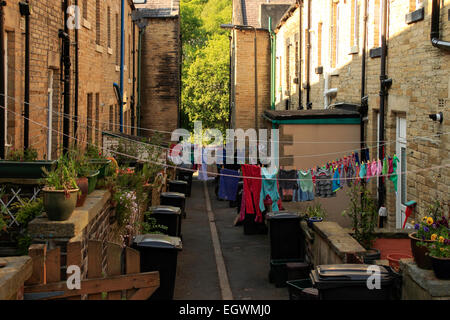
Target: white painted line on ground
[(220, 262)]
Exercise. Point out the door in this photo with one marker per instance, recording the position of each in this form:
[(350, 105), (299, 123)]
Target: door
[(401, 195)]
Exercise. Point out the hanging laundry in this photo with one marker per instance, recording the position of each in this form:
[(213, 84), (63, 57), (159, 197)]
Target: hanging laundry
[(336, 184), (305, 190), (252, 190), (350, 174), (269, 189), (356, 157), (229, 182), (368, 172), (324, 184), (288, 183), (363, 171), (385, 169), (394, 176), (379, 168), (391, 165)]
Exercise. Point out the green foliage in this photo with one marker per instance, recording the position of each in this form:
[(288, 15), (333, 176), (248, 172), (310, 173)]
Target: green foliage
[(363, 214), (3, 213), (29, 154), (316, 211), (205, 76), (150, 226), (62, 177)]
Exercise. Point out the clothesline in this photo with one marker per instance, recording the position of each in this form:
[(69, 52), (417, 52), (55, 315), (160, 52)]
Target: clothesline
[(165, 165), (71, 117)]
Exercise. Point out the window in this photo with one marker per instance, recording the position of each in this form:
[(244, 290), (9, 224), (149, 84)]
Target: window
[(98, 22), (117, 40), (111, 118), (354, 42), (109, 26), (415, 5), (334, 40), (319, 44), (97, 119), (377, 14), (287, 66), (296, 56), (129, 56), (89, 117), (85, 9)]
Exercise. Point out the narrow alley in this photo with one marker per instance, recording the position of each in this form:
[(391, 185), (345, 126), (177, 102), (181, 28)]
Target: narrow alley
[(247, 258)]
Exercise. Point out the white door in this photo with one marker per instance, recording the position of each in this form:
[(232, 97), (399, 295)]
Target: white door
[(401, 195)]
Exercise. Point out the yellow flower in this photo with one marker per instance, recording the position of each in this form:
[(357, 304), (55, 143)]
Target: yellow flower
[(442, 249), (424, 219), (430, 221), (441, 239), (434, 236)]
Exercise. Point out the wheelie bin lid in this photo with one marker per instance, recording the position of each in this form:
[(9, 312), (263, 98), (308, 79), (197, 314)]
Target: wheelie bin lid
[(282, 215), (158, 241), (173, 195), (178, 182), (344, 275), (165, 210)]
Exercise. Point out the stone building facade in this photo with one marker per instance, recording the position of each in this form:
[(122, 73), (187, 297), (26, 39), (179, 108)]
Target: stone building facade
[(249, 47), (420, 84), (98, 69), (161, 66)]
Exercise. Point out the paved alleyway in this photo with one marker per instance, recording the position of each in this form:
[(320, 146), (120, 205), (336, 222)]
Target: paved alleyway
[(246, 257)]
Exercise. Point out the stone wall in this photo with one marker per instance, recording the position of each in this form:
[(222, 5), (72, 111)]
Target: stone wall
[(98, 70), (420, 75), (93, 221)]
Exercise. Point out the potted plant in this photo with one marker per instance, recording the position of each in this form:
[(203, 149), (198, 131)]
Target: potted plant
[(22, 164), (83, 170), (422, 233), (61, 190), (439, 253), (363, 215), (315, 213), (97, 160)]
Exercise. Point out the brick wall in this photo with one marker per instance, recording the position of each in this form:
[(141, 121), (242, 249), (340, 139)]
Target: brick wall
[(420, 74), (244, 115), (98, 69), (161, 75)]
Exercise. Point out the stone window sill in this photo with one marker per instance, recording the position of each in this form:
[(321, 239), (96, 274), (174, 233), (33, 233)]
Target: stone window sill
[(86, 24), (354, 50), (110, 51), (99, 48), (117, 68), (415, 16)]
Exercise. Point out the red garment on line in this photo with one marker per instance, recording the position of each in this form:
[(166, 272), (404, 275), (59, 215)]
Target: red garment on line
[(252, 190)]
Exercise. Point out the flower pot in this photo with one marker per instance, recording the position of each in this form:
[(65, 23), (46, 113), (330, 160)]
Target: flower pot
[(371, 255), (420, 253), (103, 164), (394, 259), (312, 220), (441, 267), (24, 170), (58, 204), (92, 180), (83, 185)]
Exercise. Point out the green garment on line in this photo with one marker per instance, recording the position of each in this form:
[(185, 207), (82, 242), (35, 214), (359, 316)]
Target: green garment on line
[(306, 182), (385, 170), (394, 176)]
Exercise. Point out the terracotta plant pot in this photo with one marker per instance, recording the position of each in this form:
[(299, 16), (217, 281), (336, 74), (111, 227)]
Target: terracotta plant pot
[(420, 253), (58, 205), (83, 185), (441, 267), (394, 259)]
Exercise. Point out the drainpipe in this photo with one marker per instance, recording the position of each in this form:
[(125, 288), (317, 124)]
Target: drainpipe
[(385, 84), (64, 35), (308, 57), (300, 41), (25, 11), (256, 80), (327, 92), (133, 111), (435, 15), (2, 81), (77, 82), (122, 59), (364, 98), (273, 47), (141, 31)]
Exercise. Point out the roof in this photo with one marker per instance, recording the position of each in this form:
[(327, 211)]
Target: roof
[(286, 16), (246, 12), (160, 8), (288, 115)]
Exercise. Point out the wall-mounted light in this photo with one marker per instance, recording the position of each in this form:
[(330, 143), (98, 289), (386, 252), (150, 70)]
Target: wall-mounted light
[(437, 117)]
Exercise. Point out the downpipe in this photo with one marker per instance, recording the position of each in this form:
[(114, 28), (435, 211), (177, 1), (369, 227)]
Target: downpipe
[(435, 34)]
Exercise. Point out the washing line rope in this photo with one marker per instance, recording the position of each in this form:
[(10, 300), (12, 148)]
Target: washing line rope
[(68, 116), (283, 157), (165, 165)]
